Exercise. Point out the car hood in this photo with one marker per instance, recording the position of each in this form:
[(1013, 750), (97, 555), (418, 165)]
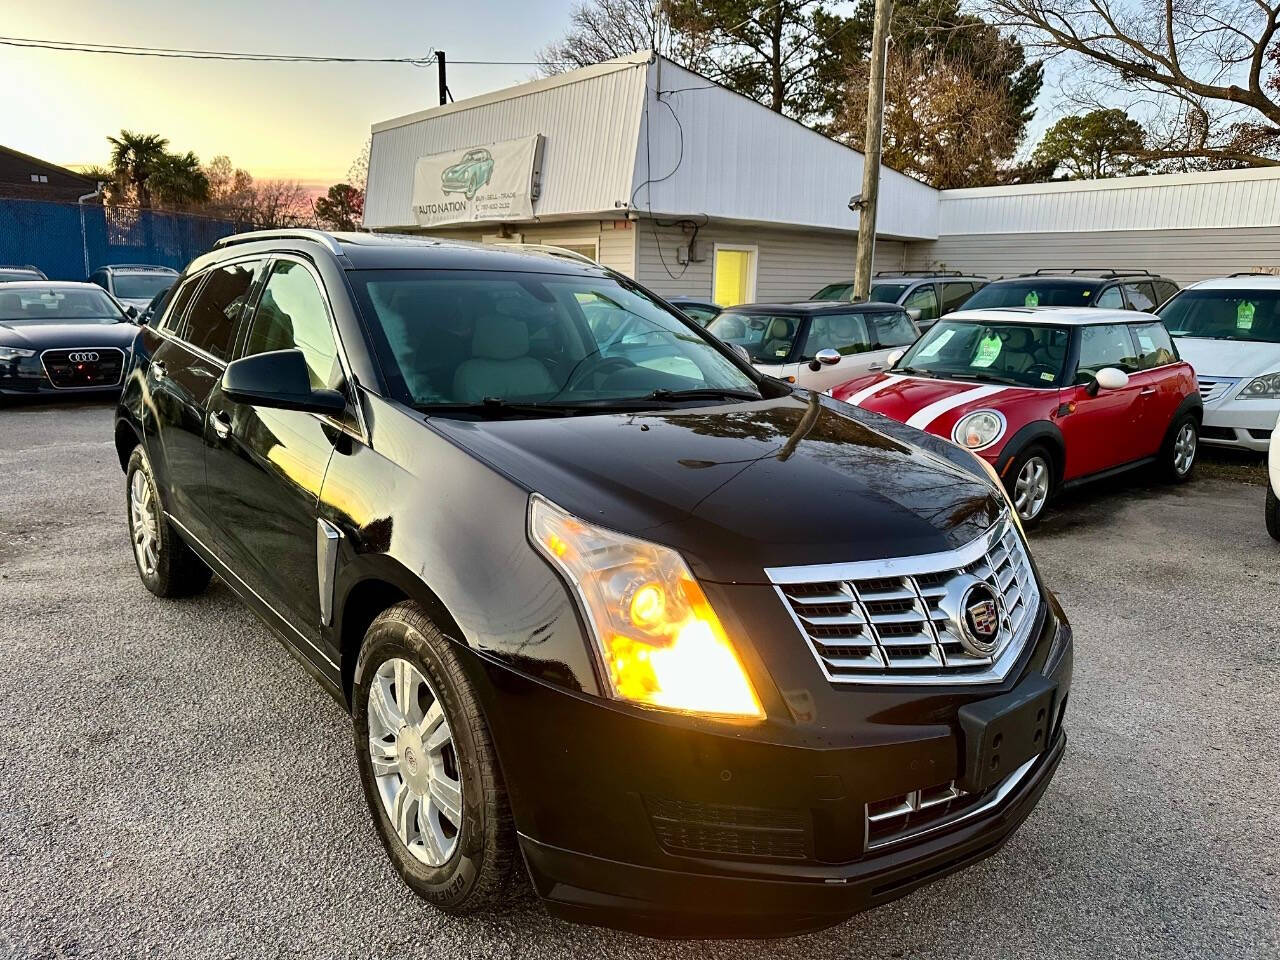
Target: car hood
[(1229, 358), (39, 335), (140, 302), (738, 488), (929, 404)]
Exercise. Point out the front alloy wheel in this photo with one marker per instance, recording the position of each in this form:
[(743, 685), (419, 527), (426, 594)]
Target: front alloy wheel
[(1031, 487)]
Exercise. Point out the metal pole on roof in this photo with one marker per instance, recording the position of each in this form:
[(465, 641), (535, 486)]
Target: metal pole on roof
[(444, 83), (866, 202)]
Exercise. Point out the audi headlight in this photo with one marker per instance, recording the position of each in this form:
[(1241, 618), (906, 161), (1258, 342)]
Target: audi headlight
[(661, 643), (978, 430), (15, 353), (995, 478), (1265, 387)]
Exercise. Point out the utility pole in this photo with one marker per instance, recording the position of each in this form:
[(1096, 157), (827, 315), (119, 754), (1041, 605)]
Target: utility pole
[(866, 205), (444, 83)]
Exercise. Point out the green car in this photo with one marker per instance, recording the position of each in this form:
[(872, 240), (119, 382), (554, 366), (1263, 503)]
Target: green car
[(469, 174)]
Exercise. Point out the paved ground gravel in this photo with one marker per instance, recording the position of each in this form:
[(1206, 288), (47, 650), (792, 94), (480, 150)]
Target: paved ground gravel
[(173, 785)]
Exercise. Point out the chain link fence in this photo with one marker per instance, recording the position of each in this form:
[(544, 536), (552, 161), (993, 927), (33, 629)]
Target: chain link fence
[(68, 241)]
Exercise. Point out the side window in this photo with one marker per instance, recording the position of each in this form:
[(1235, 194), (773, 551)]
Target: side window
[(1155, 349), (215, 314), (955, 293), (846, 333), (1164, 290), (1142, 296), (292, 313), (925, 299), (892, 330), (99, 278), (1105, 346), (172, 319), (1110, 298)]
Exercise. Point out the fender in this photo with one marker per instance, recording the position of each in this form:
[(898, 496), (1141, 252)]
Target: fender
[(1043, 431), (1191, 403)]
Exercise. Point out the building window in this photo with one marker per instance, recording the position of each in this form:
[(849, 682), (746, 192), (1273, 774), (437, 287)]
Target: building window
[(733, 276)]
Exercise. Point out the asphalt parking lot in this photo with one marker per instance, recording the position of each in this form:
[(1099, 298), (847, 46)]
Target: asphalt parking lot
[(173, 784)]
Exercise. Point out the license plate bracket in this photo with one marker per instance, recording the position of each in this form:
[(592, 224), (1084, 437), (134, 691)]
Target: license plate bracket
[(1003, 733)]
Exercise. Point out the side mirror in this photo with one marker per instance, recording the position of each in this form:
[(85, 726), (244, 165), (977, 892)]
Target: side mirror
[(914, 313), (1108, 378), (278, 379), (131, 312), (893, 358), (824, 358), (741, 351)]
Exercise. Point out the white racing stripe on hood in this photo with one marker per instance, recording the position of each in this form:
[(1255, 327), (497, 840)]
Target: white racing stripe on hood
[(926, 415), (875, 388)]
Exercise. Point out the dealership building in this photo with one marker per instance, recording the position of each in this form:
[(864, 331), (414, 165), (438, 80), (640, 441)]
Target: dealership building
[(695, 190)]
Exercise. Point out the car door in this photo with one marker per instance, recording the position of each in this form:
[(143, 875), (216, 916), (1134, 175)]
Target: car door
[(847, 334), (194, 347), (1160, 391), (265, 466), (1141, 295), (1102, 430), (954, 294)]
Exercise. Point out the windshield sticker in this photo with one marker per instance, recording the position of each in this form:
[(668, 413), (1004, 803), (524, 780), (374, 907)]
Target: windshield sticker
[(1244, 315), (1031, 300), (931, 349), (988, 350), (1148, 345), (1047, 376), (782, 352), (1086, 293)]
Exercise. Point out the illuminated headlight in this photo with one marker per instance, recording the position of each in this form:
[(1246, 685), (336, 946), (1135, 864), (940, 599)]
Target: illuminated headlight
[(1265, 387), (661, 643), (979, 429), (15, 353)]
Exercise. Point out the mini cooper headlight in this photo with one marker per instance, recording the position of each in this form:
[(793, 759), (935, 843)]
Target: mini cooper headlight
[(1265, 387), (979, 429), (662, 644), (15, 353)]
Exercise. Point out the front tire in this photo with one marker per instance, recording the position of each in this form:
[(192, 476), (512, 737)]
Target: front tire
[(166, 565), (428, 767), (1273, 513), (1178, 455), (1030, 483)]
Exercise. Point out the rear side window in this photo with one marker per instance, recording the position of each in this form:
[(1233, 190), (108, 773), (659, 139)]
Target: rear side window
[(954, 294), (1105, 346), (1155, 348), (172, 319), (292, 314), (1142, 296), (215, 314), (1164, 290), (846, 333), (1111, 299)]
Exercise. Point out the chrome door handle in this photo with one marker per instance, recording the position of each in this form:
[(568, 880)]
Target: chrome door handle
[(221, 425), (158, 368), (876, 366), (1146, 391)]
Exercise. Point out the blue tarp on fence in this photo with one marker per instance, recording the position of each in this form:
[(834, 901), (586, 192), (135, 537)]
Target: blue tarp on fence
[(50, 236)]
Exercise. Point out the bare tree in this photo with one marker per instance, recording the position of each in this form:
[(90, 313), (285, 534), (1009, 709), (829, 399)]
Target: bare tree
[(601, 30), (280, 203), (1202, 73), (358, 173)]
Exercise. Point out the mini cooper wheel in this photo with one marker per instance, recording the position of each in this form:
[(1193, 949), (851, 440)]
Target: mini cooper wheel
[(166, 565), (1030, 482), (428, 767), (1179, 454)]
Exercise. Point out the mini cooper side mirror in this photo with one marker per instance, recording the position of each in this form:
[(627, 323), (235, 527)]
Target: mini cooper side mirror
[(278, 379), (893, 358), (914, 313), (824, 358), (1108, 378)]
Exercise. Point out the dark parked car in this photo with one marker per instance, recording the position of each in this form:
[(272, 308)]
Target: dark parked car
[(701, 652), (60, 337), (926, 295), (701, 312), (1076, 287)]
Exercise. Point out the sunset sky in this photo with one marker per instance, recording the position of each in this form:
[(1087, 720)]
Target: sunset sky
[(294, 121)]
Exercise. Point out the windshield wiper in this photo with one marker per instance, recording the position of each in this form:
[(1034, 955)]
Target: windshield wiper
[(914, 371), (989, 378), (714, 393)]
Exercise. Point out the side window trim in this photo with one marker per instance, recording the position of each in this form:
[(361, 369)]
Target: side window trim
[(174, 326), (181, 336)]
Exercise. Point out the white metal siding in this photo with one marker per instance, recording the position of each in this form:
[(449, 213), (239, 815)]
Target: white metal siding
[(1181, 255), (616, 246), (742, 161), (590, 128), (790, 264)]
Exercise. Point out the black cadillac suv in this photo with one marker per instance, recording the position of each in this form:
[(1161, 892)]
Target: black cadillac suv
[(699, 652)]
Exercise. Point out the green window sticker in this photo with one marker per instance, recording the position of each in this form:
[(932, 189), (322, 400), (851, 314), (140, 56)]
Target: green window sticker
[(988, 350), (1032, 299), (1047, 376), (1244, 315), (1085, 293)]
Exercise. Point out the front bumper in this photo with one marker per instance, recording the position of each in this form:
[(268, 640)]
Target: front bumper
[(26, 377), (1243, 424), (598, 791)]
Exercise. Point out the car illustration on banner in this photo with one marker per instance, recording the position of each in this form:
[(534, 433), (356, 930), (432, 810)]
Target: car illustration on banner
[(469, 174)]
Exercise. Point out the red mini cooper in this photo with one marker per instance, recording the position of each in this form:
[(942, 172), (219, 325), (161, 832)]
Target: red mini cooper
[(1049, 397)]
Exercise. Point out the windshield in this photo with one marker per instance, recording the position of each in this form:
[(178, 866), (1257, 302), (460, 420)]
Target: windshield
[(1032, 292), (1224, 315), (141, 286), (55, 305), (1029, 355), (835, 291), (484, 338), (887, 292), (767, 338)]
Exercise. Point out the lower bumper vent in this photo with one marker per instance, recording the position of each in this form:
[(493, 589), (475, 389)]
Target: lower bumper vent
[(691, 827)]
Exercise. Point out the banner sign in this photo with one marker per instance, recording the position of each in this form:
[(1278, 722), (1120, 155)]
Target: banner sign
[(498, 181)]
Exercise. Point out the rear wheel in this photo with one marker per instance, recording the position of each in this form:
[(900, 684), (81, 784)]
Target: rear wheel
[(1273, 513), (166, 565), (428, 767), (1030, 482), (1178, 456)]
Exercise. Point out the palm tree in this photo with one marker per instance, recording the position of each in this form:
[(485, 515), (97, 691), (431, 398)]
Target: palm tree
[(177, 181), (134, 158)]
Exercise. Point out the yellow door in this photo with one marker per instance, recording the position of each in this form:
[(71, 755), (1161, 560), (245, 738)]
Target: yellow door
[(733, 277)]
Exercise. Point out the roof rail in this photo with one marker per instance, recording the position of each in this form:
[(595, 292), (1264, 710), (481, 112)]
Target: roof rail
[(922, 273), (292, 233), (545, 249), (1253, 273), (1090, 271), (136, 266)]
